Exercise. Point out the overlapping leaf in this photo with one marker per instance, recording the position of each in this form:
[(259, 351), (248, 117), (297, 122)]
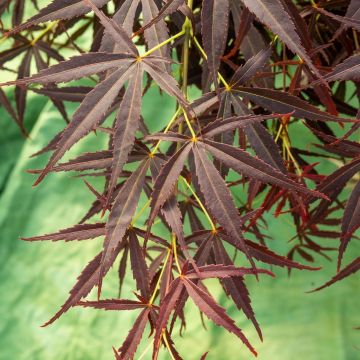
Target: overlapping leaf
[(263, 93)]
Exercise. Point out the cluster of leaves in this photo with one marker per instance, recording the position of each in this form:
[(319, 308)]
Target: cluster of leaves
[(261, 67)]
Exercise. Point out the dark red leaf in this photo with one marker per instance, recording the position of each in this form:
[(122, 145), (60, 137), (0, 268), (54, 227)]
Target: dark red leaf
[(281, 102), (77, 232), (214, 312), (352, 268)]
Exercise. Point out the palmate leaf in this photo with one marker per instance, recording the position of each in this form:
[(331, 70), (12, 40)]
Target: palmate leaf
[(272, 13), (218, 198), (99, 100), (214, 35), (251, 111)]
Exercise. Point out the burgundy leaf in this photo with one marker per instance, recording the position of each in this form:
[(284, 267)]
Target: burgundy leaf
[(244, 73), (89, 278), (164, 80), (166, 179), (69, 93), (113, 304), (168, 8), (340, 177), (348, 22), (281, 102), (77, 67), (223, 271), (260, 139), (347, 70), (115, 30), (262, 253), (88, 115), (352, 268), (166, 307), (214, 12), (6, 104), (121, 213), (253, 167), (351, 220), (20, 91), (218, 198), (128, 348), (59, 9), (214, 312), (127, 122), (234, 122), (138, 265), (77, 232), (235, 286), (157, 33), (273, 15)]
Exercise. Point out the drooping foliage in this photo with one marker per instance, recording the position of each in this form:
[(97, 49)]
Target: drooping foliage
[(225, 160)]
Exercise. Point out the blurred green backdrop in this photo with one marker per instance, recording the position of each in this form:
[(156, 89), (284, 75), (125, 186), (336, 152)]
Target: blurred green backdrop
[(35, 278)]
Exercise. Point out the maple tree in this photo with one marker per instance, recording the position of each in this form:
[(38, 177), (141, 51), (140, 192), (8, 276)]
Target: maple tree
[(260, 67)]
